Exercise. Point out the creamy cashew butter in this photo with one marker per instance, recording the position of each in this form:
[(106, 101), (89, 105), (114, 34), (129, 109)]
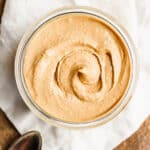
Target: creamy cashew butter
[(76, 67)]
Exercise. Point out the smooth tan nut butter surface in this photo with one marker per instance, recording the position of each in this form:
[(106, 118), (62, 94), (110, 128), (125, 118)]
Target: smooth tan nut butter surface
[(76, 67)]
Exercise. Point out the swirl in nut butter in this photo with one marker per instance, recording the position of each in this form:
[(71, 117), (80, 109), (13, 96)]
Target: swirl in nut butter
[(76, 67)]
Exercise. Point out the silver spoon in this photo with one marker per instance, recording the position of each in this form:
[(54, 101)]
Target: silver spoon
[(29, 141)]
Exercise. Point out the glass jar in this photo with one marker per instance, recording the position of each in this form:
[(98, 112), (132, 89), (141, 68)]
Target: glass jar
[(21, 82)]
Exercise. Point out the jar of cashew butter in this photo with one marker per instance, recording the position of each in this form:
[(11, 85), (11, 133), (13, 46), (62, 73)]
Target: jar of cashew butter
[(76, 67)]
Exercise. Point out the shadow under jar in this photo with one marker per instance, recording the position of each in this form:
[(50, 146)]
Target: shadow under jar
[(76, 67)]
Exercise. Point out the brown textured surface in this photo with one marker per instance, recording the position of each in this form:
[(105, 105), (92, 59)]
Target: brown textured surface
[(8, 132), (2, 2), (140, 140)]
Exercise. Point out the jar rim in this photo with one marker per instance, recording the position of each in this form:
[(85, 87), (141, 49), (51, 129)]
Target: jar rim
[(24, 91)]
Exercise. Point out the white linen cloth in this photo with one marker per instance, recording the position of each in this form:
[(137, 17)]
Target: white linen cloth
[(18, 15)]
